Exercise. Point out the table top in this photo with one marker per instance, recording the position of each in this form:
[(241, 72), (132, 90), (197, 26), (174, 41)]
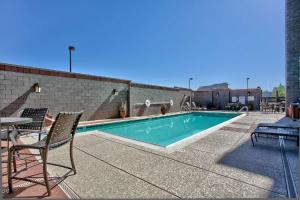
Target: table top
[(9, 121)]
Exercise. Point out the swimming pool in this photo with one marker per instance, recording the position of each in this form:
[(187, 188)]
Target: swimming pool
[(162, 131)]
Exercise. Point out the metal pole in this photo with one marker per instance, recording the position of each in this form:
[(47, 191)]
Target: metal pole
[(247, 90), (71, 48), (247, 82), (70, 60), (191, 93)]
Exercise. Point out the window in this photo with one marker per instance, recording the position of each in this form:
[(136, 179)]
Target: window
[(234, 99), (242, 99), (250, 98)]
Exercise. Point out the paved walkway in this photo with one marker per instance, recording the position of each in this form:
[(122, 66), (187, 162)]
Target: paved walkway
[(222, 164)]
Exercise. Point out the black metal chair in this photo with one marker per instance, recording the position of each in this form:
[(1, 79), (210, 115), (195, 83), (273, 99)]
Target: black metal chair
[(36, 126), (276, 130), (61, 132)]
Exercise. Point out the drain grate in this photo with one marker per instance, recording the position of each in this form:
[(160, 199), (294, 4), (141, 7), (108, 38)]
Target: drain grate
[(289, 180)]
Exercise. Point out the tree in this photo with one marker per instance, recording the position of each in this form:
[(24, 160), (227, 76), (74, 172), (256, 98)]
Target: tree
[(280, 89)]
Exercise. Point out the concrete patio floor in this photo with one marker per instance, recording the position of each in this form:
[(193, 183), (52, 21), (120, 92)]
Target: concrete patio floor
[(222, 164)]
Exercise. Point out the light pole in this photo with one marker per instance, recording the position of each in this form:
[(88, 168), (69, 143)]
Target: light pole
[(247, 89), (190, 79), (247, 81), (71, 48)]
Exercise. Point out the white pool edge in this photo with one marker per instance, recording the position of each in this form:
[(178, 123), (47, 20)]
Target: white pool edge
[(193, 138), (172, 147)]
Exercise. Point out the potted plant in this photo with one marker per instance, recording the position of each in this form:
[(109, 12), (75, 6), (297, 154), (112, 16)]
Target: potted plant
[(250, 106), (123, 110), (163, 109)]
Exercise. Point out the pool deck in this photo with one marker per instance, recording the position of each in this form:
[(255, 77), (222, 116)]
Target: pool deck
[(221, 164)]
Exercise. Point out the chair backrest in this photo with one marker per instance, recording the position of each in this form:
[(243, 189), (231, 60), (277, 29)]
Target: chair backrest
[(63, 128), (188, 104), (194, 105), (38, 118)]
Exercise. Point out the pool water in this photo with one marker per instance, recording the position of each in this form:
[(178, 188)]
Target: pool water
[(162, 131)]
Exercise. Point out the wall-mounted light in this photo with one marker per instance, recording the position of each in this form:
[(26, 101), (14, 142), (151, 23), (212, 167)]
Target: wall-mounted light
[(115, 92), (37, 88)]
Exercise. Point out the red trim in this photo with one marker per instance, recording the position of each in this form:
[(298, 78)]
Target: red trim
[(45, 72)]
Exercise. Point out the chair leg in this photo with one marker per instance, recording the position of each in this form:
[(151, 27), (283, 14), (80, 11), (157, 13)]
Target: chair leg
[(252, 139), (14, 161), (72, 158), (9, 173), (45, 173), (255, 137)]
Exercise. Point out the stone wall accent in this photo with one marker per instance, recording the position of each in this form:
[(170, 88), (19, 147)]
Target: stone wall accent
[(292, 51), (140, 92)]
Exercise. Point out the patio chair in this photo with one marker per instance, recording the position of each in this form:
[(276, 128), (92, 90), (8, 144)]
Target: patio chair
[(36, 126), (194, 107), (186, 107), (276, 130), (227, 106), (274, 125), (61, 132)]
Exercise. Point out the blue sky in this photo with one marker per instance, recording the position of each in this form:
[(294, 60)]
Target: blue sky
[(161, 42)]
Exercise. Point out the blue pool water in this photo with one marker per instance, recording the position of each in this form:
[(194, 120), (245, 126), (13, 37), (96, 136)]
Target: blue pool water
[(162, 131)]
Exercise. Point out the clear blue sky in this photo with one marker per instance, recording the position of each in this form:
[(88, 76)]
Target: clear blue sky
[(160, 42)]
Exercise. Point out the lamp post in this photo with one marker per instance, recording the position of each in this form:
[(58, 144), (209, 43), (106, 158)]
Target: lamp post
[(247, 89), (247, 81), (190, 79), (71, 48), (190, 82)]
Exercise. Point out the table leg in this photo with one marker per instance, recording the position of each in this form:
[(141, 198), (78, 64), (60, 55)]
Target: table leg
[(7, 140)]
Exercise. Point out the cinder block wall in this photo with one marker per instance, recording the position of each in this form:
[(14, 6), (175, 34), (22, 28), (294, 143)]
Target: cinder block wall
[(203, 98), (218, 98), (140, 92), (256, 92), (60, 91), (292, 51), (63, 91)]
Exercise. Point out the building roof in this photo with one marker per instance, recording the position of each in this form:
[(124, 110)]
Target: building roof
[(214, 86)]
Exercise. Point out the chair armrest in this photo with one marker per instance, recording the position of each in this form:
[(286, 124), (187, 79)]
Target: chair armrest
[(20, 113), (38, 145)]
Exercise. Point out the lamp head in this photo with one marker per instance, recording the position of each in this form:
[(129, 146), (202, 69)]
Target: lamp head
[(71, 48), (37, 88)]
